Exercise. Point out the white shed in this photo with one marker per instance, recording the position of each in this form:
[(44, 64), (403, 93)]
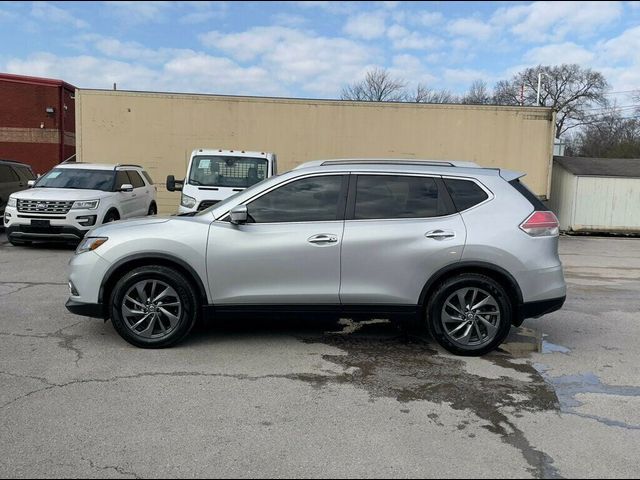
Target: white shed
[(596, 194)]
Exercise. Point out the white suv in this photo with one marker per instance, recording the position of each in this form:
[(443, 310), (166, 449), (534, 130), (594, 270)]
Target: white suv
[(73, 198)]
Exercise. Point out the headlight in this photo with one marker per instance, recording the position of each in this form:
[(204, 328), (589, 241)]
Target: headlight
[(187, 201), (90, 243), (11, 202), (86, 204)]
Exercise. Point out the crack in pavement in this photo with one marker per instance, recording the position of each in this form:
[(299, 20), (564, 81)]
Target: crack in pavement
[(65, 340), (120, 470), (315, 379)]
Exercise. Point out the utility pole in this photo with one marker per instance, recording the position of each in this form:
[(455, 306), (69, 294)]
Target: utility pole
[(539, 84)]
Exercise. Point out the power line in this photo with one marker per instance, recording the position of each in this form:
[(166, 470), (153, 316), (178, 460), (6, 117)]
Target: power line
[(622, 91)]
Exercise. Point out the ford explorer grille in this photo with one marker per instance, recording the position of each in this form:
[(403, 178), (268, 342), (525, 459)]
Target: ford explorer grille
[(44, 206)]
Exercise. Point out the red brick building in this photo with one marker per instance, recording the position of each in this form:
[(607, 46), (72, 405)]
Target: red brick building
[(37, 121)]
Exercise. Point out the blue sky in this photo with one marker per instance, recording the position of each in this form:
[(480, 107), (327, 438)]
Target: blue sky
[(312, 49)]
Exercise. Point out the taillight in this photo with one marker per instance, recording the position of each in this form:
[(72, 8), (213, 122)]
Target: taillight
[(540, 224)]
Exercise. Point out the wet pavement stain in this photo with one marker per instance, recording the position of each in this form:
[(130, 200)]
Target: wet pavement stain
[(567, 387), (388, 363)]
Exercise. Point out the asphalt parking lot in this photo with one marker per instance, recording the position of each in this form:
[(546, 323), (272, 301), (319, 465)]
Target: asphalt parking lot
[(282, 399)]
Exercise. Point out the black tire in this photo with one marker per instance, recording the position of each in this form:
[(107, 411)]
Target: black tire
[(111, 216), (184, 294), (480, 283), (153, 209), (19, 243)]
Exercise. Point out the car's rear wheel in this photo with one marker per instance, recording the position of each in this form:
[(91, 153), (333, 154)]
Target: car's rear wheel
[(153, 307), (469, 314), (153, 210)]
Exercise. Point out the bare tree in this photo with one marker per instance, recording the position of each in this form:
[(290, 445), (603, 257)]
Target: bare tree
[(478, 94), (570, 90), (610, 135), (424, 94), (377, 86)]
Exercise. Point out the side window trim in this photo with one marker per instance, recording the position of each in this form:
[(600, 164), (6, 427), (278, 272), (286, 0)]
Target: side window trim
[(442, 192), (341, 205)]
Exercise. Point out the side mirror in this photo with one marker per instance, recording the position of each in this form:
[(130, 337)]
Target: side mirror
[(126, 187), (239, 214), (173, 185), (31, 183)]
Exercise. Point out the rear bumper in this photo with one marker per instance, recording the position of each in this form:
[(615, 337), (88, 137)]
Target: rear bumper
[(94, 310), (539, 308), (52, 233)]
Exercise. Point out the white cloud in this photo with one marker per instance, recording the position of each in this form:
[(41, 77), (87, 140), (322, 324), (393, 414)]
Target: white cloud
[(187, 71), (6, 15), (403, 39), (470, 27), (83, 70), (411, 69), (54, 15), (625, 47), (463, 77), (553, 20), (289, 19), (203, 11), (333, 7), (428, 19), (115, 48), (557, 53), (320, 65), (136, 12), (367, 25)]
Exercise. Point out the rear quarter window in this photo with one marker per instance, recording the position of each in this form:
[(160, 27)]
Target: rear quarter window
[(465, 193), (529, 195)]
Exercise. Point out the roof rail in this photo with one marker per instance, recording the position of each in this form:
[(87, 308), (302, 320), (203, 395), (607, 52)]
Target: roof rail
[(126, 165), (430, 163)]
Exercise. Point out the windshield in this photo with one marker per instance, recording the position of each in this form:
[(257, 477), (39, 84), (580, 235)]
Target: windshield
[(84, 179), (224, 171)]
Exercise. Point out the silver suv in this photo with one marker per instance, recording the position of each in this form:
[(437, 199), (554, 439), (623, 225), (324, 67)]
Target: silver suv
[(463, 250)]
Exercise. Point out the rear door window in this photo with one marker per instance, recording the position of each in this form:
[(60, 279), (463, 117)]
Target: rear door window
[(7, 175), (396, 196), (465, 193), (136, 179), (25, 173)]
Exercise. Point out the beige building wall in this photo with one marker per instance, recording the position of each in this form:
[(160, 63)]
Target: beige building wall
[(159, 131)]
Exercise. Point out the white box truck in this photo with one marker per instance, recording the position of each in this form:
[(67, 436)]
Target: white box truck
[(213, 175)]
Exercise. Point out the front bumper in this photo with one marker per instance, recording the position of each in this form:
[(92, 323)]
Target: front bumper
[(94, 310), (52, 233)]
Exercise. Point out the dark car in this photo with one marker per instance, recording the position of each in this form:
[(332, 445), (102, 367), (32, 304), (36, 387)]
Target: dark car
[(14, 176)]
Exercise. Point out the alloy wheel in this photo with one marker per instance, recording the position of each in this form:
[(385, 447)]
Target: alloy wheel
[(151, 309), (470, 317)]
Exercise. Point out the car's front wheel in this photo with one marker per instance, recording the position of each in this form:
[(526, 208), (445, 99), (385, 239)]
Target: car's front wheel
[(469, 314), (153, 307)]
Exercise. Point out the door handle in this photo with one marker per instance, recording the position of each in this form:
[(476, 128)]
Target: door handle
[(440, 234), (323, 238), (133, 194)]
